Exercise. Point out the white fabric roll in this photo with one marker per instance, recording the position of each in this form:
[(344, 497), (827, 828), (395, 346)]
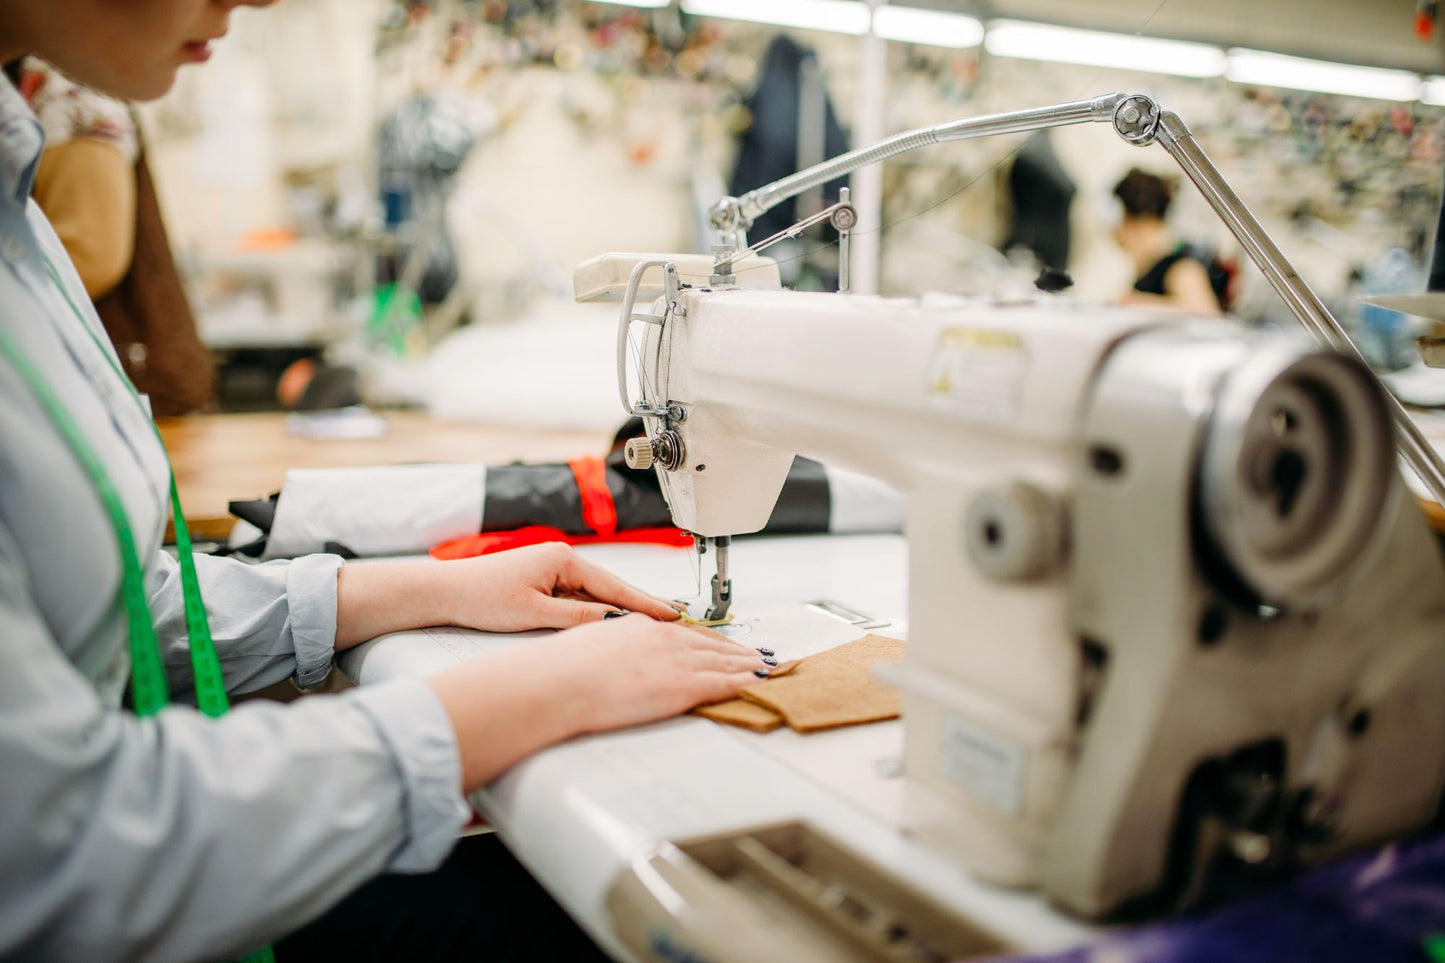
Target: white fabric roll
[(383, 510)]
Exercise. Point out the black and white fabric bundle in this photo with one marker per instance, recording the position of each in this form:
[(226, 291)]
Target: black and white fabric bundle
[(407, 509)]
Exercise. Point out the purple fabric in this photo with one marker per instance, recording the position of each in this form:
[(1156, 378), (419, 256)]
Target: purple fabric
[(1379, 907)]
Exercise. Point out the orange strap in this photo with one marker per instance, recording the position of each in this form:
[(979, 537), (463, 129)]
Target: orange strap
[(469, 546), (599, 511)]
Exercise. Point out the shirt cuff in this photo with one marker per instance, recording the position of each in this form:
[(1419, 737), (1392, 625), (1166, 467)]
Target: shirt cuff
[(311, 601), (423, 745)]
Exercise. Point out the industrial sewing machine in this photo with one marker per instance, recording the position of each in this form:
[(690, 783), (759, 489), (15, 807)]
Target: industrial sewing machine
[(1174, 620)]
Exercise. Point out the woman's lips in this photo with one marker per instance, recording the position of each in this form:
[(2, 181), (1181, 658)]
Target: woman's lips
[(198, 51)]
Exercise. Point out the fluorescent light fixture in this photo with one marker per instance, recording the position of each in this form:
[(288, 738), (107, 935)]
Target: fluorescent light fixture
[(651, 4), (1432, 91), (1037, 41), (933, 27), (837, 16), (1296, 73)]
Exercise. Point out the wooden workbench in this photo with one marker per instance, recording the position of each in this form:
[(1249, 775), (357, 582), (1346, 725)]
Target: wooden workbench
[(222, 458)]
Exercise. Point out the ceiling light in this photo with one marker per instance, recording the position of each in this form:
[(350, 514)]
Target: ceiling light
[(1037, 41), (1297, 73), (1432, 91), (932, 27), (652, 4), (837, 16)]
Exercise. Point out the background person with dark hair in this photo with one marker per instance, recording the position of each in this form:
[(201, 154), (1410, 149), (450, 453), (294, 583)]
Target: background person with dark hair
[(1168, 272)]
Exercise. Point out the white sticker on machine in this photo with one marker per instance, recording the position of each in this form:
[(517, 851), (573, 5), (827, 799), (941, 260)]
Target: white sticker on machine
[(978, 373), (988, 766)]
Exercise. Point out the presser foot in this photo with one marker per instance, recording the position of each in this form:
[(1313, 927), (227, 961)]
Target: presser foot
[(722, 585), (722, 600)]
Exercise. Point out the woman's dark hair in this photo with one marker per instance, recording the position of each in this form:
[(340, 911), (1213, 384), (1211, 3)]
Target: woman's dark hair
[(1144, 194)]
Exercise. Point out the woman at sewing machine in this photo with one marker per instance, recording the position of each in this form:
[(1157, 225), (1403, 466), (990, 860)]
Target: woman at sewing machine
[(165, 833), (1168, 273)]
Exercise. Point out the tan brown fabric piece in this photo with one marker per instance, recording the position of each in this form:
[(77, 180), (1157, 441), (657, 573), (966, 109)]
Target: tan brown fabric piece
[(748, 715), (824, 691), (741, 713), (835, 688)]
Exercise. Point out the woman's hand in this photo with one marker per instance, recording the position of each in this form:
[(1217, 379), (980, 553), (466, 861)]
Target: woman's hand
[(545, 586), (634, 670), (541, 586), (605, 675)]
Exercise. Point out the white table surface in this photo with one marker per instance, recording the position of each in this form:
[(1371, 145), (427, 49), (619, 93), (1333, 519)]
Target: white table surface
[(575, 814)]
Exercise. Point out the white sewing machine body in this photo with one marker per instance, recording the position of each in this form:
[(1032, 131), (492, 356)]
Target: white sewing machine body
[(1171, 613)]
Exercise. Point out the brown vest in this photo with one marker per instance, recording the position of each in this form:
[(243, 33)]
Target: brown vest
[(149, 320)]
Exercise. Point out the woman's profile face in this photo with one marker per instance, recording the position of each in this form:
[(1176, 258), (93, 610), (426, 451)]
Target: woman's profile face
[(128, 48)]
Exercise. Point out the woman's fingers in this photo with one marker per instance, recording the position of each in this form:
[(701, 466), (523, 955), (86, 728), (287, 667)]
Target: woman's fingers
[(710, 660), (636, 669), (696, 649), (583, 577), (718, 686), (711, 652), (701, 636), (564, 613), (689, 647)]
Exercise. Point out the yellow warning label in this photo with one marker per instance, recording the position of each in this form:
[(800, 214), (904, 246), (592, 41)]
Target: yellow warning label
[(976, 338), (977, 373)]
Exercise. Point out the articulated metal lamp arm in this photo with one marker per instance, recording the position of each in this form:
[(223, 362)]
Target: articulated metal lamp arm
[(1138, 120), (734, 215), (1175, 138)]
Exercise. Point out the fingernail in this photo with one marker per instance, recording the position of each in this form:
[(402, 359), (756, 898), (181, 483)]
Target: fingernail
[(761, 673), (767, 651), (613, 615), (768, 661)]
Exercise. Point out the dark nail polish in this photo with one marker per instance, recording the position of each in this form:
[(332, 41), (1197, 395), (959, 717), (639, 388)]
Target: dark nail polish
[(768, 661), (761, 673), (767, 652), (613, 615)]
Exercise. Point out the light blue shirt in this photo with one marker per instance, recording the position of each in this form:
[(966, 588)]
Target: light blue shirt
[(174, 836)]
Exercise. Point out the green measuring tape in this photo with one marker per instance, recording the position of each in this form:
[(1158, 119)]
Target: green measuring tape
[(149, 690)]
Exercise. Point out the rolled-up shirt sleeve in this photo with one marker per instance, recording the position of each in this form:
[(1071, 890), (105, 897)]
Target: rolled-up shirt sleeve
[(269, 622), (182, 837)]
